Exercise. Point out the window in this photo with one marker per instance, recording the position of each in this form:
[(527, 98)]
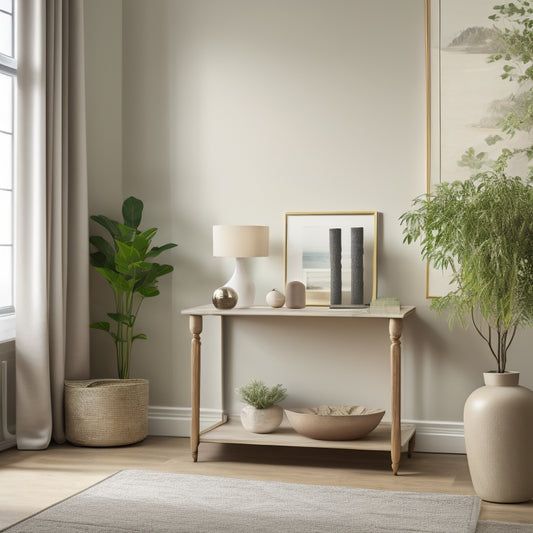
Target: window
[(8, 73)]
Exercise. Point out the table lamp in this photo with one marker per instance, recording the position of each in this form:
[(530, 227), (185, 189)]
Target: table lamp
[(240, 242)]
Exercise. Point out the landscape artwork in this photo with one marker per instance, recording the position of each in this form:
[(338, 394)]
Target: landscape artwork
[(469, 95), (307, 253)]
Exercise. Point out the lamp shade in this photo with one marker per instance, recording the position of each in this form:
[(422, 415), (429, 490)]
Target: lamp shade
[(240, 241)]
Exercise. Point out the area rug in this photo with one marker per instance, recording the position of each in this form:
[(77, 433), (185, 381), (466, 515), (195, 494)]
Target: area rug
[(146, 501)]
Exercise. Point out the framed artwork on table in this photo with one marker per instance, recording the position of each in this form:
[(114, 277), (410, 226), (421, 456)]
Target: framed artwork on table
[(467, 92), (307, 253)]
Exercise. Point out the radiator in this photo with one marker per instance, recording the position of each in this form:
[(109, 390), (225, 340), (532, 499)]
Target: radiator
[(7, 439)]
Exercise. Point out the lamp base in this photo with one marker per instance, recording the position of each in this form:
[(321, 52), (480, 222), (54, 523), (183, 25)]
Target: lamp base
[(242, 284)]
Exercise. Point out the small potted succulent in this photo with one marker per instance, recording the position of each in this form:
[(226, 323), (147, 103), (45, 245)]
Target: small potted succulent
[(261, 414)]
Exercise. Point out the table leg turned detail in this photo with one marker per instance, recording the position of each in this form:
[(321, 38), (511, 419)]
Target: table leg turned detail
[(195, 326), (395, 332)]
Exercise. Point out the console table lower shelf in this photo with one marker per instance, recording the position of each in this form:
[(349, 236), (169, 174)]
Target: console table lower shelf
[(378, 440)]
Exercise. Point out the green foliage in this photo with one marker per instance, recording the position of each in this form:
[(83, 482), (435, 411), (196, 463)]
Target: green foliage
[(482, 230), (257, 394), (516, 34), (124, 263), (472, 160), (515, 28), (493, 139)]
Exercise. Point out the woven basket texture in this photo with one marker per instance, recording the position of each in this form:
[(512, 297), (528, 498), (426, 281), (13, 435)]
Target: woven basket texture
[(106, 412)]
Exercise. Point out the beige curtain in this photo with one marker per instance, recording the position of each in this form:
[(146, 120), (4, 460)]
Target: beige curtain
[(51, 236)]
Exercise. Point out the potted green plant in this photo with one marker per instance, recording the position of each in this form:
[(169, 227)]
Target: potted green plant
[(481, 230), (126, 265), (115, 412), (261, 414)]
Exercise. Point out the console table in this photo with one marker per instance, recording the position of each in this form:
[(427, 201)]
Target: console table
[(387, 436)]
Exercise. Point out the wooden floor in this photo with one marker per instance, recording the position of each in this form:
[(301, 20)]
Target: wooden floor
[(31, 481)]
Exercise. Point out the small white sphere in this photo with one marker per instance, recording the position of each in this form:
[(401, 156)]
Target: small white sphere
[(275, 298)]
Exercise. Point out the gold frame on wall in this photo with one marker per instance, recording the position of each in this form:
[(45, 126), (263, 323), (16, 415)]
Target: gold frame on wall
[(432, 47), (428, 94), (320, 222), (429, 122)]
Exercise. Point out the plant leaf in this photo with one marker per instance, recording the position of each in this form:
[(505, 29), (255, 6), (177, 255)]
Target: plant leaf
[(148, 292), (116, 280), (150, 276), (132, 210), (156, 250), (110, 225), (141, 243), (126, 258), (149, 234), (127, 233), (98, 259), (100, 325), (104, 248), (121, 318)]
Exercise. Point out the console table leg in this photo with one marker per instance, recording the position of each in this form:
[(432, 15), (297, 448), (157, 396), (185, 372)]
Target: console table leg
[(195, 326), (395, 332)]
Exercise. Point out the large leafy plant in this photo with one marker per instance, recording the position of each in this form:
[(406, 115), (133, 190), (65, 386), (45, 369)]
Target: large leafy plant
[(125, 263), (481, 229)]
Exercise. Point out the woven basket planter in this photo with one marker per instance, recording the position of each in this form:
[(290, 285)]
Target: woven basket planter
[(106, 412)]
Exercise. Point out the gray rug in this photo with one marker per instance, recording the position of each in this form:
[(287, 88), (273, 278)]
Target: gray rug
[(145, 501)]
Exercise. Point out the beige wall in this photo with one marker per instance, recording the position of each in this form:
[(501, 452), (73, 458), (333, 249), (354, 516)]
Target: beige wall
[(103, 44), (237, 111)]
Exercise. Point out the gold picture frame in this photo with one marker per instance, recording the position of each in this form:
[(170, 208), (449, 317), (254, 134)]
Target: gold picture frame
[(306, 251), (436, 280)]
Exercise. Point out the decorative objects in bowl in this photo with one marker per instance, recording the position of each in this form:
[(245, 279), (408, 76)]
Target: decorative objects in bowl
[(334, 423)]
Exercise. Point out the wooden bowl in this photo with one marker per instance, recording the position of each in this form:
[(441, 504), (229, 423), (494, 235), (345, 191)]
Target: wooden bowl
[(334, 423)]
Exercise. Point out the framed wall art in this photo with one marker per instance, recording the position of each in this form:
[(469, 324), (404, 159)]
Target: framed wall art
[(467, 95), (307, 254)]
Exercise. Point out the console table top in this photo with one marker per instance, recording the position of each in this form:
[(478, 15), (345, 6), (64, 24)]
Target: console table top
[(312, 311)]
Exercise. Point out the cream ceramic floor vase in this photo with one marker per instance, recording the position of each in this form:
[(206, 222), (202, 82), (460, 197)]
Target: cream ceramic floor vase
[(498, 425)]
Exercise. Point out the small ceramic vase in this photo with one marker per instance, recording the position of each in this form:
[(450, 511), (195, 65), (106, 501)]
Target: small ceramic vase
[(261, 420), (295, 295), (275, 298)]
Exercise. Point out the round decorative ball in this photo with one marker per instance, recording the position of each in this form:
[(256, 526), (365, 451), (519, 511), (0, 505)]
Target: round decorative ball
[(225, 298), (275, 298)]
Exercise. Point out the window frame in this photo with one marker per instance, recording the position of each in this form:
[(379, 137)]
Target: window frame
[(8, 66)]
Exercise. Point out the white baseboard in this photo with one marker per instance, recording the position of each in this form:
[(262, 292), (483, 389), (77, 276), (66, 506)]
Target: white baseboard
[(176, 421), (432, 437), (439, 437)]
